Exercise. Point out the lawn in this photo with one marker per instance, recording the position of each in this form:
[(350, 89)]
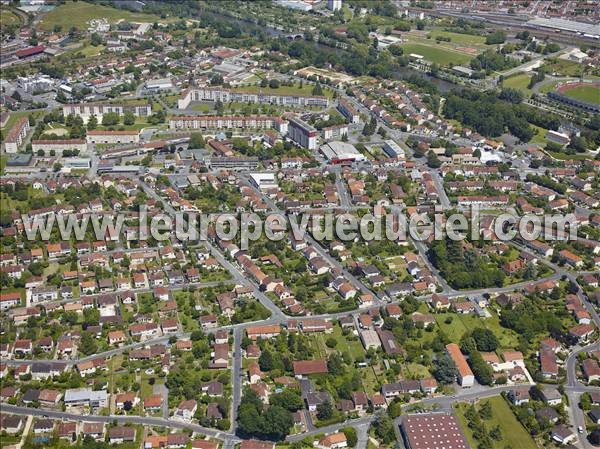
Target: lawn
[(463, 323), (520, 81), (540, 136), (589, 94), (78, 14), (442, 56), (513, 433), (354, 347)]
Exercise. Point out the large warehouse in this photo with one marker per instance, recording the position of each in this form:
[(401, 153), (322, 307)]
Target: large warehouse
[(339, 152)]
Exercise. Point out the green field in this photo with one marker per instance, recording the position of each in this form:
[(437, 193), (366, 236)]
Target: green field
[(78, 14), (520, 81), (513, 433), (589, 94), (458, 38), (442, 56)]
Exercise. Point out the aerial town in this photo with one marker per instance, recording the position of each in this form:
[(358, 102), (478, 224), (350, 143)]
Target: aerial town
[(282, 123)]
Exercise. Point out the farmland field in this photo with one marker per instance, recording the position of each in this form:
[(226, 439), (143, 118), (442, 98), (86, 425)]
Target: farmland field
[(78, 14)]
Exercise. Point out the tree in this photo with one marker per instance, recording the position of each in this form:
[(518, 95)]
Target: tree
[(110, 119), (324, 410), (384, 428), (88, 344), (92, 122), (289, 399), (95, 39), (317, 90), (485, 339), (497, 37), (196, 141), (128, 118), (351, 436), (445, 370), (433, 161), (274, 84)]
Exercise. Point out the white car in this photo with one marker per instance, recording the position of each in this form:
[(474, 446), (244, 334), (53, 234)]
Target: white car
[(580, 429)]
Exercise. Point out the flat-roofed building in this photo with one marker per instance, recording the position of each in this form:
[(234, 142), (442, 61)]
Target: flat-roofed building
[(337, 152), (234, 163), (263, 181), (302, 133)]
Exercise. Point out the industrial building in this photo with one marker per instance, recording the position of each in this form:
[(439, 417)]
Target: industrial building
[(340, 152), (432, 430), (263, 181)]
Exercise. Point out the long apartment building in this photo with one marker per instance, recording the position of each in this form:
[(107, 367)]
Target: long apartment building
[(15, 136), (302, 133), (226, 95), (86, 110), (229, 122), (58, 146)]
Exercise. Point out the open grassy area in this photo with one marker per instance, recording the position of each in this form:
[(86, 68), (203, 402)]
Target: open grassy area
[(442, 56), (513, 433), (540, 136), (589, 94), (562, 67), (78, 14), (8, 18), (520, 81)]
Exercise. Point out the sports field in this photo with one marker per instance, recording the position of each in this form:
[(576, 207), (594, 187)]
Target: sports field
[(442, 56), (78, 14), (589, 94)]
